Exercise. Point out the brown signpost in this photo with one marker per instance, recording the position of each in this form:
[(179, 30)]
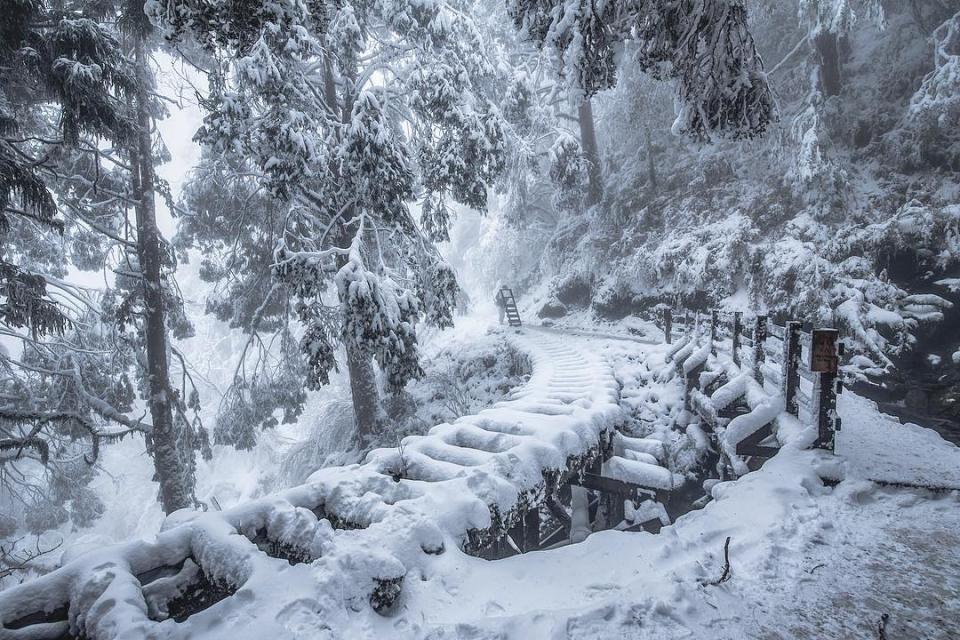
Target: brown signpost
[(824, 361), (823, 351)]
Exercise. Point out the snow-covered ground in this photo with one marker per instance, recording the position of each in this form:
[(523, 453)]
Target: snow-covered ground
[(807, 559)]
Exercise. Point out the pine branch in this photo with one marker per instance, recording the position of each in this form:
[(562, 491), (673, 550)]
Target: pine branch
[(10, 562)]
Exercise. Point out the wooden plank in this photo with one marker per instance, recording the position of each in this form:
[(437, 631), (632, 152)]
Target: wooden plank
[(823, 360), (714, 319), (750, 446), (756, 451), (790, 378), (737, 330), (596, 482), (531, 529), (759, 355)]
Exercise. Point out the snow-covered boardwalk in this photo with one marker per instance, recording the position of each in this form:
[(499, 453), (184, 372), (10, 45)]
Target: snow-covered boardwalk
[(309, 562), (364, 528)]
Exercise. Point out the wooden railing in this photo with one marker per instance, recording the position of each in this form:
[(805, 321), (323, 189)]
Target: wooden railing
[(774, 354)]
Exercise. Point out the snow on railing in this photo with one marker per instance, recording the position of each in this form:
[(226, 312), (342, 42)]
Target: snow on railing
[(759, 360)]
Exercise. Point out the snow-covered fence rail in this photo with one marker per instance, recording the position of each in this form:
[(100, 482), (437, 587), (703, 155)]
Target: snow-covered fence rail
[(720, 354)]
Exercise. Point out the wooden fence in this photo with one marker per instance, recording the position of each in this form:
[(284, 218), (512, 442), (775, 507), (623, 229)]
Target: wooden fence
[(773, 354)]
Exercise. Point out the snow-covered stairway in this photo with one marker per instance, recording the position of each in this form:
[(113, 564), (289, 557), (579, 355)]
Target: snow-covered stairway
[(510, 307), (306, 561)]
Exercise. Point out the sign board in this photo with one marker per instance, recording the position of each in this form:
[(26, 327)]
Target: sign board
[(823, 351)]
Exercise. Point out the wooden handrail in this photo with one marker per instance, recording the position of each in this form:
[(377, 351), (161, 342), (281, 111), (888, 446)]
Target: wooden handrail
[(783, 362)]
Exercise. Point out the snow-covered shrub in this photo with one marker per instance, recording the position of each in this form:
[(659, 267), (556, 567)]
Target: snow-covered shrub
[(568, 173), (331, 441), (711, 257), (85, 507), (8, 526), (552, 308), (44, 515), (934, 116)]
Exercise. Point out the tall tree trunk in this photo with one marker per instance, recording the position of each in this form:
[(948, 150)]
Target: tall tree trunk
[(588, 142), (828, 51), (175, 477), (651, 168), (367, 412), (366, 398)]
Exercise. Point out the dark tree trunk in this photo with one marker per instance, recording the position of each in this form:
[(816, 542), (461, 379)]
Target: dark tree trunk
[(651, 168), (588, 142), (828, 51), (174, 475), (367, 413), (366, 398)]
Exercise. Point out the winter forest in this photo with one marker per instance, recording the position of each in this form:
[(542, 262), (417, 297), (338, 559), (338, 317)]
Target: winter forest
[(479, 319)]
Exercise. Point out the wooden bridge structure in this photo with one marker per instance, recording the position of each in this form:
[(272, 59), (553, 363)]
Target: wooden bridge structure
[(510, 479), (759, 379)]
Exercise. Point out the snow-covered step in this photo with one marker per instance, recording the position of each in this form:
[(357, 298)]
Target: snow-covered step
[(642, 474)]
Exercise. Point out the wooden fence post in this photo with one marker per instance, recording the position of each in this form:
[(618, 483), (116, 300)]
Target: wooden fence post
[(737, 328), (668, 325), (759, 354), (686, 323), (824, 362), (791, 365), (713, 331), (531, 529)]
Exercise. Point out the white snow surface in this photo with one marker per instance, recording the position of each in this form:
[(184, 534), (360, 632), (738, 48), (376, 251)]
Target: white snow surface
[(449, 481), (807, 560), (874, 446)]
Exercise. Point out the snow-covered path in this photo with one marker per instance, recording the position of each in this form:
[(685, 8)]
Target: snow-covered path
[(367, 527), (877, 447), (405, 510)]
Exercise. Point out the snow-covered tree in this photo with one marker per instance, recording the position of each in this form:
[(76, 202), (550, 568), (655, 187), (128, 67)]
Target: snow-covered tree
[(568, 172), (705, 46), (349, 112), (77, 161)]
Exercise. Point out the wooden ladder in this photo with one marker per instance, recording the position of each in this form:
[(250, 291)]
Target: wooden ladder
[(510, 306)]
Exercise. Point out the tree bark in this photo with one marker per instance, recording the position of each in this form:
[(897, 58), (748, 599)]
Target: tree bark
[(367, 412), (651, 168), (591, 152), (828, 51), (174, 476)]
